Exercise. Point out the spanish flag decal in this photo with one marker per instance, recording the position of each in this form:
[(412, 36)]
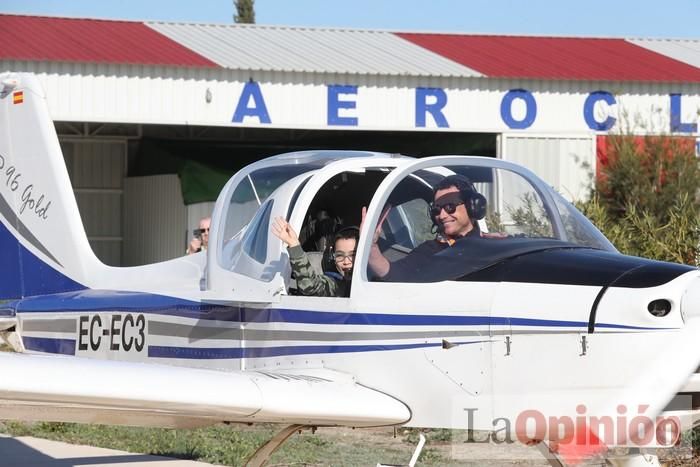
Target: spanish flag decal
[(18, 97)]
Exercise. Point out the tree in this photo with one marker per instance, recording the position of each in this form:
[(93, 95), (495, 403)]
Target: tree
[(245, 11), (645, 198)]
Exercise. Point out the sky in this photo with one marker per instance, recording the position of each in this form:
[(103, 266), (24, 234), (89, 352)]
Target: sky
[(602, 18)]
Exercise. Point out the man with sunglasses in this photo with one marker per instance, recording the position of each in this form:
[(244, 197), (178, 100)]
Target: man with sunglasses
[(200, 238), (309, 282), (454, 211)]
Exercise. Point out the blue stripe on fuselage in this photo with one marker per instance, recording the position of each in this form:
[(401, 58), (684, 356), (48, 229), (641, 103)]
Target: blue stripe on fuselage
[(49, 345), (94, 301), (67, 347), (158, 351)]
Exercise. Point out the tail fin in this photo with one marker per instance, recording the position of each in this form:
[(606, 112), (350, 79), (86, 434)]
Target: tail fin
[(43, 245)]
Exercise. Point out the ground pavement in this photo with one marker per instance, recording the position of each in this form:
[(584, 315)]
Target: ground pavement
[(33, 452)]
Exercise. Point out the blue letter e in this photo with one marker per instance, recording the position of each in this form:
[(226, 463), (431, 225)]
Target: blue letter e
[(335, 104)]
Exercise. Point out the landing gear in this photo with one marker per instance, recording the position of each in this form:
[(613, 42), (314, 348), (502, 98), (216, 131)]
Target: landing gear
[(264, 452), (262, 455), (552, 457), (414, 457)]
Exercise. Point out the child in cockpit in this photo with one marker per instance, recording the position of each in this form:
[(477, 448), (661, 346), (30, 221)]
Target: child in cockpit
[(309, 281)]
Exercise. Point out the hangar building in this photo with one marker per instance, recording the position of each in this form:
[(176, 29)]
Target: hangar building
[(153, 117)]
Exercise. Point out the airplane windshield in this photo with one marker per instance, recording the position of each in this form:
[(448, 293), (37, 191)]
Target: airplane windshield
[(447, 222), (254, 189)]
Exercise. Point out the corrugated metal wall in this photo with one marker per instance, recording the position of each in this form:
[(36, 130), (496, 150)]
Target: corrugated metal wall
[(128, 221), (565, 162), (163, 95), (155, 219), (97, 170)]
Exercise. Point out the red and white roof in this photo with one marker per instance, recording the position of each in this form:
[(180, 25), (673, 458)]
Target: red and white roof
[(348, 51), (93, 41)]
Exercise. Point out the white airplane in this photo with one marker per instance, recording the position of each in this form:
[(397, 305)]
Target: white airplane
[(537, 331)]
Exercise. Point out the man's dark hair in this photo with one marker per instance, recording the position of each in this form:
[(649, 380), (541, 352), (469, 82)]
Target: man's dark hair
[(462, 183)]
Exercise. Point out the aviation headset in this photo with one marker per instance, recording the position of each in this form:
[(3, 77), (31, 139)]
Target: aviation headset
[(474, 202)]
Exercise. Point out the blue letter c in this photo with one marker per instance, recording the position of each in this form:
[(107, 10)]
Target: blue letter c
[(588, 106)]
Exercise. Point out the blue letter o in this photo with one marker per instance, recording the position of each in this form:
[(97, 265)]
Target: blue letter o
[(530, 109)]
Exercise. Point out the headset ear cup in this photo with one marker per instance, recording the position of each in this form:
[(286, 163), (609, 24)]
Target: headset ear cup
[(327, 260), (476, 207)]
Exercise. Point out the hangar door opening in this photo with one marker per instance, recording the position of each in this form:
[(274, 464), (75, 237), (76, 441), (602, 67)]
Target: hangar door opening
[(176, 173), (566, 162), (97, 170), (141, 189)]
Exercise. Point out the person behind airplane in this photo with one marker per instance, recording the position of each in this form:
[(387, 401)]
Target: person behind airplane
[(200, 238), (455, 210), (309, 282)]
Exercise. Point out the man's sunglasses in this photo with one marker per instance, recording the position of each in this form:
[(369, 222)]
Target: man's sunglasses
[(449, 208), (199, 232)]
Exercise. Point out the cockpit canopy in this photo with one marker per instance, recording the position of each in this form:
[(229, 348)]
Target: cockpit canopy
[(516, 214), (521, 213)]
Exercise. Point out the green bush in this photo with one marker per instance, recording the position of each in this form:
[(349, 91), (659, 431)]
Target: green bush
[(645, 197)]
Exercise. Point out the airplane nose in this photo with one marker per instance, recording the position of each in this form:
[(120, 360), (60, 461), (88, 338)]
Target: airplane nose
[(690, 302)]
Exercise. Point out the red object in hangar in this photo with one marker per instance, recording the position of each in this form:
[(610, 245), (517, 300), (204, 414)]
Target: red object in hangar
[(607, 147)]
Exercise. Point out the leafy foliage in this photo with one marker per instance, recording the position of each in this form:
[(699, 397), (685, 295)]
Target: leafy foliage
[(245, 11), (646, 197), (530, 217)]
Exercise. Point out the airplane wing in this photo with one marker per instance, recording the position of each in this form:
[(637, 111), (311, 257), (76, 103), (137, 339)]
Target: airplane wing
[(51, 388)]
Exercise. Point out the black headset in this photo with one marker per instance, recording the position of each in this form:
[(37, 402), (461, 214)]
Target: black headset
[(474, 202)]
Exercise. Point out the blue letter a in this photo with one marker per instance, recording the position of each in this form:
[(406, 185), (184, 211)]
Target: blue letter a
[(251, 89)]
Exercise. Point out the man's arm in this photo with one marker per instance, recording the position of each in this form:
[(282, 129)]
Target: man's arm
[(377, 261)]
